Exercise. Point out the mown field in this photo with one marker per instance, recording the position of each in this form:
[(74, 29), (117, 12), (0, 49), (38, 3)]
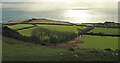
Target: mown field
[(112, 31), (19, 26), (100, 42), (14, 50), (28, 32)]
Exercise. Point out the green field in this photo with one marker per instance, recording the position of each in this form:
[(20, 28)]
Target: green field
[(16, 50), (99, 42), (63, 28), (112, 31), (13, 51), (19, 26), (28, 32)]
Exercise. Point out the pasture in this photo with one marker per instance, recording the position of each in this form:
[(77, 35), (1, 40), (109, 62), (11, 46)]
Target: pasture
[(63, 28), (19, 26), (112, 31), (14, 50), (100, 42)]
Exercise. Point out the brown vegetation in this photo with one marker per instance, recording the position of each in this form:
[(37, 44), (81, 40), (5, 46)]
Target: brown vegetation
[(14, 22), (14, 41), (70, 45), (37, 21), (48, 22)]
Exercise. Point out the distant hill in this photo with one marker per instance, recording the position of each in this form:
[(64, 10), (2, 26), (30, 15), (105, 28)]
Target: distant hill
[(38, 21)]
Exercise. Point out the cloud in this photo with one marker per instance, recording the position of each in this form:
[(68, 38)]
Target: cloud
[(43, 6), (38, 6), (39, 0), (59, 0)]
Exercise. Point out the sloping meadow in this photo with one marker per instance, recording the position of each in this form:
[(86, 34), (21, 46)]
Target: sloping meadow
[(44, 34)]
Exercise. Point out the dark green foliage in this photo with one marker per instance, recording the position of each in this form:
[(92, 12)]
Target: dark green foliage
[(108, 25), (10, 32), (81, 32), (71, 49), (41, 36), (45, 37), (14, 34)]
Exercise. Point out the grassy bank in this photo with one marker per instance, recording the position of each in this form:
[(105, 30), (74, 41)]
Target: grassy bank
[(22, 52)]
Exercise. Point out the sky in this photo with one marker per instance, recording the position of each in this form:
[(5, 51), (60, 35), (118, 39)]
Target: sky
[(59, 0), (42, 5)]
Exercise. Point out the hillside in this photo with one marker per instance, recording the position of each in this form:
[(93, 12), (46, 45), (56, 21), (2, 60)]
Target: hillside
[(38, 21)]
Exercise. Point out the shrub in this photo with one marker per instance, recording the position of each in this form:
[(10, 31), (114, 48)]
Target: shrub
[(51, 37), (41, 36), (71, 49)]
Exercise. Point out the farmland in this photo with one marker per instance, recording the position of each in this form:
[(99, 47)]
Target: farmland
[(19, 26), (28, 32), (100, 42), (14, 50), (112, 31), (83, 46)]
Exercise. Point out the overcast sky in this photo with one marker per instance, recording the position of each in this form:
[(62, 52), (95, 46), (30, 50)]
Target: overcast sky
[(59, 4), (59, 0)]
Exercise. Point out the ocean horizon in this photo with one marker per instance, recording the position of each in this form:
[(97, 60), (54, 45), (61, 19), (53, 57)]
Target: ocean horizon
[(87, 15)]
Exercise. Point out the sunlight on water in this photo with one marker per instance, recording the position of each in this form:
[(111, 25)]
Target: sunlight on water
[(73, 16), (77, 13), (80, 16)]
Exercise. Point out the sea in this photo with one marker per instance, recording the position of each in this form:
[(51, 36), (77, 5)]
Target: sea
[(93, 15)]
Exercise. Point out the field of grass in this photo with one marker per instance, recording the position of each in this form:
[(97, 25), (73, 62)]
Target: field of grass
[(19, 26), (112, 31), (99, 42), (20, 52), (62, 28), (108, 25), (28, 32)]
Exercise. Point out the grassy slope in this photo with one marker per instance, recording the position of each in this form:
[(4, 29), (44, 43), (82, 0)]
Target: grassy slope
[(21, 52), (31, 53), (27, 32), (19, 26), (99, 42), (63, 28), (106, 30)]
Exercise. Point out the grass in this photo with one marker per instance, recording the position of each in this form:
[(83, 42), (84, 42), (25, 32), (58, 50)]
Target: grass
[(12, 51), (99, 42), (62, 28), (113, 31), (21, 52), (19, 26), (28, 32)]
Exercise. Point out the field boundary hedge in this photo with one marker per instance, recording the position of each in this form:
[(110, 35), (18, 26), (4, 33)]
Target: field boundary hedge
[(106, 27), (40, 36), (26, 28), (100, 34)]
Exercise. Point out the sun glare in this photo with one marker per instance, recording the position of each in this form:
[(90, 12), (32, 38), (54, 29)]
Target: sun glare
[(76, 13)]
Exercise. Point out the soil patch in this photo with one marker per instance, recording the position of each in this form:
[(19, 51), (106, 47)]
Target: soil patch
[(70, 45)]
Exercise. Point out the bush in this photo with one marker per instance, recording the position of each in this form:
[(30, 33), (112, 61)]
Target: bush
[(71, 49), (46, 37), (41, 36)]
